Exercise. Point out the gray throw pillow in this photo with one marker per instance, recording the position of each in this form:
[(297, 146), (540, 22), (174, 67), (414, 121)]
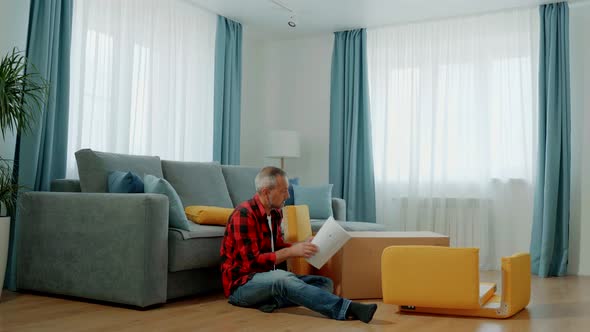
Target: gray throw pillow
[(176, 217), (317, 198)]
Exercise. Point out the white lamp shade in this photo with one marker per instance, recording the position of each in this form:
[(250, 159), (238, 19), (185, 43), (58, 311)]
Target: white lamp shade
[(283, 144)]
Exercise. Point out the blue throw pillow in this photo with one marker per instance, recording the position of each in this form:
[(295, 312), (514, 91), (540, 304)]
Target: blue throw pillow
[(318, 199), (291, 199), (176, 216), (124, 182)]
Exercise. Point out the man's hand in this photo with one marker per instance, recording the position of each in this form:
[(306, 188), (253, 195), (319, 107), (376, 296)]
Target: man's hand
[(300, 249), (304, 249)]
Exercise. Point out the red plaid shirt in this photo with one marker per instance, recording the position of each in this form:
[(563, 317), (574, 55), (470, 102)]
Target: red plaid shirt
[(246, 247)]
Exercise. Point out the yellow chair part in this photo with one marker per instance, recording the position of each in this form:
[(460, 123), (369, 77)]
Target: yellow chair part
[(431, 276), (515, 296), (297, 228)]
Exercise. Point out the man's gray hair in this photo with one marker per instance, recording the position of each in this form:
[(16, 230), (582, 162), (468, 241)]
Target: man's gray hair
[(267, 177)]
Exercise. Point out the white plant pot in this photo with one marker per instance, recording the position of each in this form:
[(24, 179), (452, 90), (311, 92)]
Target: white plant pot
[(4, 238)]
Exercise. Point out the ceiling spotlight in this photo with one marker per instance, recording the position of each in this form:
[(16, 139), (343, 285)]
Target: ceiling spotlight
[(292, 21)]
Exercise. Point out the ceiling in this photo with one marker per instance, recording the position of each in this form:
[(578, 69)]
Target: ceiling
[(267, 20)]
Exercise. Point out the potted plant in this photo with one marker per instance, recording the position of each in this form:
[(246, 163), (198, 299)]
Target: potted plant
[(22, 94)]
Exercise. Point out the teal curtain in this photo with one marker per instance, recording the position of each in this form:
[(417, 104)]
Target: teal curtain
[(228, 90), (40, 156), (351, 156), (550, 234)]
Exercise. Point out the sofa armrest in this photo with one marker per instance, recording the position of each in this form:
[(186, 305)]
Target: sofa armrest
[(108, 247), (65, 185), (339, 208)]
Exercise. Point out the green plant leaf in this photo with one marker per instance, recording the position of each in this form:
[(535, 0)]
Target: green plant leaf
[(23, 93)]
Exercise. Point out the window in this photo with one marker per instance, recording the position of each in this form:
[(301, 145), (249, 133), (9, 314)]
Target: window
[(453, 102), (141, 79)]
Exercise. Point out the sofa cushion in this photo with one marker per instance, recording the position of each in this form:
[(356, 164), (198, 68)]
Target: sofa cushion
[(124, 182), (94, 167), (197, 183), (317, 198), (240, 182), (196, 248), (176, 216)]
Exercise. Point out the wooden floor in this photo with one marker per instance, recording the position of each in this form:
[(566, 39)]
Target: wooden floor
[(557, 304)]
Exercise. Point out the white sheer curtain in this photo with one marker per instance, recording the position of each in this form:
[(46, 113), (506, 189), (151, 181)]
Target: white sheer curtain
[(141, 81), (453, 107)]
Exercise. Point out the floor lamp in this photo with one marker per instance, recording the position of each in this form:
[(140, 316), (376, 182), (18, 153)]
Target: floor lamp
[(283, 144)]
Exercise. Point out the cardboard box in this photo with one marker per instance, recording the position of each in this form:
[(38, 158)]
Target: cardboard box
[(356, 268)]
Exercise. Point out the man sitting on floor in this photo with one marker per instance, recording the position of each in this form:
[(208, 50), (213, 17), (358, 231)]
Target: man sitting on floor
[(252, 247)]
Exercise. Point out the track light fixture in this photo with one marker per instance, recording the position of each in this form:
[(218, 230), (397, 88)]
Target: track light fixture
[(292, 22)]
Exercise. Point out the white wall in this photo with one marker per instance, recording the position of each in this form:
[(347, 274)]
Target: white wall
[(286, 85), (14, 20), (254, 117), (579, 262)]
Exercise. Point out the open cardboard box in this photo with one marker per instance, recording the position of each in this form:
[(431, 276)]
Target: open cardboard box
[(356, 268)]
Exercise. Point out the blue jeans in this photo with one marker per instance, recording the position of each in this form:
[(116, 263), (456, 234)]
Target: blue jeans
[(278, 289)]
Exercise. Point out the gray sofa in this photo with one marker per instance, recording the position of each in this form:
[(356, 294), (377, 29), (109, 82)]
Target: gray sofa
[(78, 240)]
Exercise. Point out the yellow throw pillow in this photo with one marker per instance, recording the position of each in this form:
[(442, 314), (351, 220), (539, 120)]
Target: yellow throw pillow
[(208, 215)]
